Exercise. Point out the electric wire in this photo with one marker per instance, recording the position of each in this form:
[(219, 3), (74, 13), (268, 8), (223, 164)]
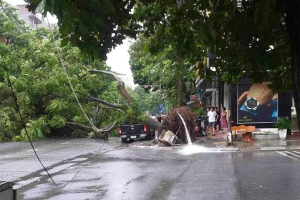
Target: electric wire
[(92, 157), (73, 91), (24, 125), (66, 73), (72, 179), (29, 139)]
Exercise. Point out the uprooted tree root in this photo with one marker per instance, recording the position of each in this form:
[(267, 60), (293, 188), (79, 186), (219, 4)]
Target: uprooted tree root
[(173, 123)]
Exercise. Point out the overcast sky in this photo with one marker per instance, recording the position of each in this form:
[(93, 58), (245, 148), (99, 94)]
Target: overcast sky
[(15, 2), (118, 59)]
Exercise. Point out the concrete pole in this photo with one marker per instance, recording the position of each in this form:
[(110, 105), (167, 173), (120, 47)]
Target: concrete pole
[(213, 99), (229, 113), (217, 99)]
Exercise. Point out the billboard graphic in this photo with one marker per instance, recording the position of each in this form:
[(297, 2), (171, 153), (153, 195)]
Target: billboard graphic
[(256, 104)]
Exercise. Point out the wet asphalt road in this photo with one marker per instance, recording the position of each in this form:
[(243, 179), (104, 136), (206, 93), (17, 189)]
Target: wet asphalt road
[(110, 170)]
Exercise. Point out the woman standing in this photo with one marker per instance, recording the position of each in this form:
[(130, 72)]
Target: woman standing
[(218, 118), (223, 120)]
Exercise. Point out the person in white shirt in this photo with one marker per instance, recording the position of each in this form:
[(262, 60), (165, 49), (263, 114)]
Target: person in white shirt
[(212, 120)]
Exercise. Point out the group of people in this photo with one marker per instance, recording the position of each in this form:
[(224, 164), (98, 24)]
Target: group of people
[(216, 119)]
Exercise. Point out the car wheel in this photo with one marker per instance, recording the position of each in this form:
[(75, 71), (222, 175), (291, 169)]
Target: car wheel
[(124, 140)]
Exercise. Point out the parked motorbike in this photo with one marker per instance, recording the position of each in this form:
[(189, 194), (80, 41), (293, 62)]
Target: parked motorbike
[(200, 127)]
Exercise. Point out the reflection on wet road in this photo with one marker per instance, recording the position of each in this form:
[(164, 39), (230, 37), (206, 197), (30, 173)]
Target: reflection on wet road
[(139, 172)]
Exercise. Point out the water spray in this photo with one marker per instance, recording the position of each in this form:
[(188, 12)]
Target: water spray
[(188, 137)]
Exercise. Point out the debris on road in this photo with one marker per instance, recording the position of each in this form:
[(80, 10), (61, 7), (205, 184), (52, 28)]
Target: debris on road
[(168, 138)]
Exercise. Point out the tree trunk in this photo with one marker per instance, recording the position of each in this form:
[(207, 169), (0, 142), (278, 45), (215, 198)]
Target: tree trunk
[(293, 30), (180, 86), (153, 124)]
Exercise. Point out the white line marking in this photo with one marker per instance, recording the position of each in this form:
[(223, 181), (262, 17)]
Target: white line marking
[(296, 152), (35, 150), (286, 155), (65, 143), (293, 154)]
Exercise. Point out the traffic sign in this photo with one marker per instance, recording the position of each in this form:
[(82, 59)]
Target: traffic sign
[(160, 107)]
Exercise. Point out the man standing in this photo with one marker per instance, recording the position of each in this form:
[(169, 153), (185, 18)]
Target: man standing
[(159, 118), (212, 120)]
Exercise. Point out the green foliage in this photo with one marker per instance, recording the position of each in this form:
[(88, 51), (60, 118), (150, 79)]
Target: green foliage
[(8, 123), (251, 41), (240, 38), (132, 114), (143, 118), (94, 26), (57, 122), (160, 71), (77, 133), (256, 39), (114, 133), (199, 111), (41, 86), (17, 138), (284, 123), (36, 129)]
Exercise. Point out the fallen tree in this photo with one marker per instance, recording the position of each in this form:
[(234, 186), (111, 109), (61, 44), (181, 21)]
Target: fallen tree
[(103, 132), (173, 123)]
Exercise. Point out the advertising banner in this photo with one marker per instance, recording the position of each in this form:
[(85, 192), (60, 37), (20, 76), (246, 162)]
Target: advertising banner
[(256, 104)]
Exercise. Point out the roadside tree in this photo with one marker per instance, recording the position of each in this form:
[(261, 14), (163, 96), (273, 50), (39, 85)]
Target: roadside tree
[(43, 90), (254, 37)]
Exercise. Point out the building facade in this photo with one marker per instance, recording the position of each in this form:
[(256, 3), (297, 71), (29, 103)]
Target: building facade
[(248, 103), (33, 20)]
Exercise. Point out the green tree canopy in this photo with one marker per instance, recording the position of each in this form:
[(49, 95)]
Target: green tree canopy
[(46, 101), (159, 71), (256, 37), (94, 26)]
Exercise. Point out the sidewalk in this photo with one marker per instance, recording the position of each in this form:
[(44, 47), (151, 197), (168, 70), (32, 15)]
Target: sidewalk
[(292, 142)]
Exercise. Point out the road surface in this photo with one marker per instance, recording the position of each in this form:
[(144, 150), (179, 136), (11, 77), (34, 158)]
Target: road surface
[(110, 170)]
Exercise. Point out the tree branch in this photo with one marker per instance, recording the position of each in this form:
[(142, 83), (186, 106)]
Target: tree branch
[(90, 98), (115, 76), (117, 109), (96, 130), (80, 125), (118, 79), (110, 128)]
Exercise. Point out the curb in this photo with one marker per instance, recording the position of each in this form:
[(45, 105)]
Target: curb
[(273, 148), (233, 149), (293, 148), (229, 149)]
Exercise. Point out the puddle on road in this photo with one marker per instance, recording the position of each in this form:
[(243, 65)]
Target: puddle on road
[(65, 143), (31, 150), (194, 149), (151, 147), (186, 150), (74, 196)]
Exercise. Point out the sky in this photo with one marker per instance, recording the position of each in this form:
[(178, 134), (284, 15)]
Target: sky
[(117, 59), (15, 2)]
